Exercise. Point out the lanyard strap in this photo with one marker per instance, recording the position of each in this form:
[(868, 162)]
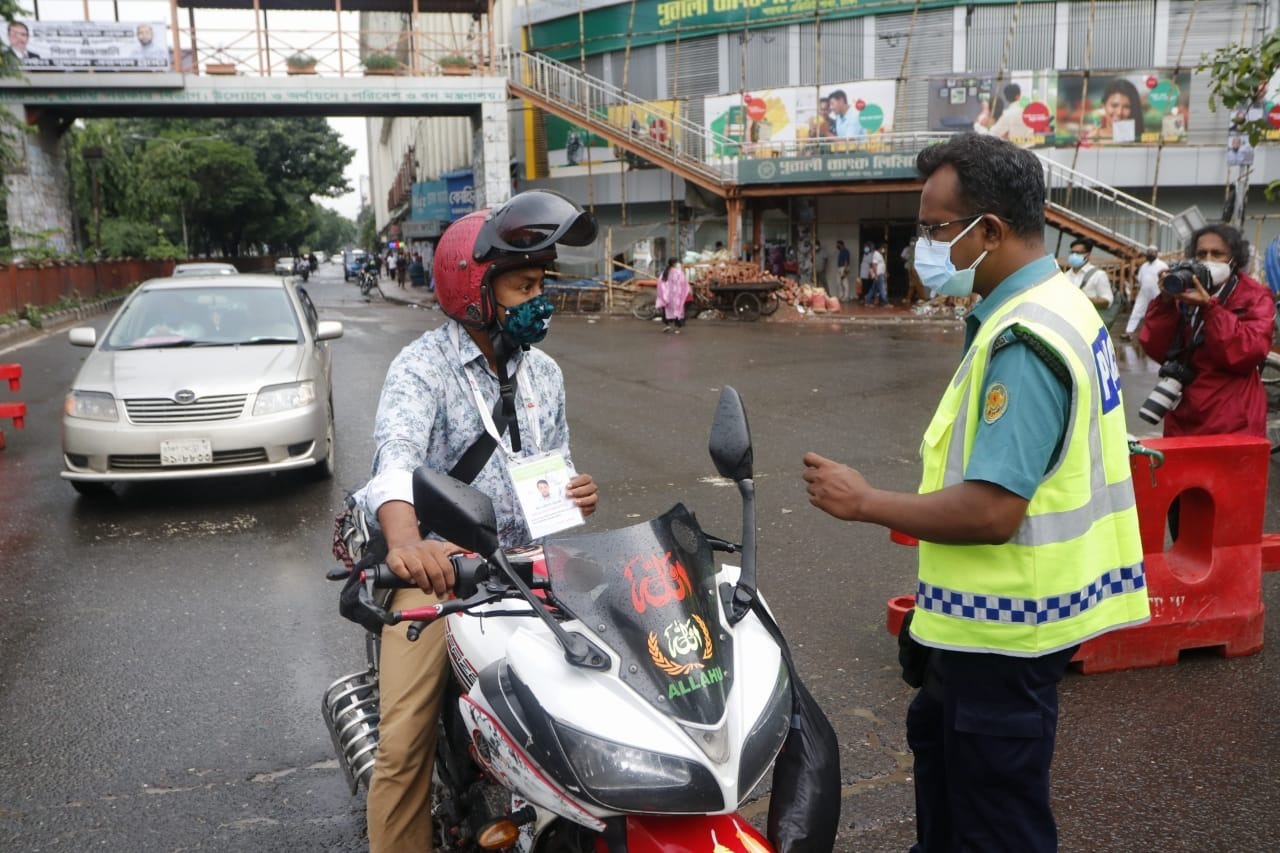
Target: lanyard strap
[(485, 416)]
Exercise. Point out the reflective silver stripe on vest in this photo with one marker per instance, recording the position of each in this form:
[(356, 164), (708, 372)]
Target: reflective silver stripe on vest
[(1029, 611), (1106, 500)]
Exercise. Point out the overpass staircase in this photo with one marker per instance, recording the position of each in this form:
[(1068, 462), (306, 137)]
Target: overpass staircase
[(1076, 204)]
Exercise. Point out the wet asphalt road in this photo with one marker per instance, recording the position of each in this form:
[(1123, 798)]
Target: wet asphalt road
[(162, 655)]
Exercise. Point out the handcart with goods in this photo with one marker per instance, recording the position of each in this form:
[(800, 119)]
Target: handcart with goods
[(736, 288)]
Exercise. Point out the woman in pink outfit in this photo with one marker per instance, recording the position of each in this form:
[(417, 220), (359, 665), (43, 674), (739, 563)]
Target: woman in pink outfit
[(673, 291)]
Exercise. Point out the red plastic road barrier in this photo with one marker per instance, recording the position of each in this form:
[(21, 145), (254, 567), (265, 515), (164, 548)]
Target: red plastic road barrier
[(1206, 589), (17, 412)]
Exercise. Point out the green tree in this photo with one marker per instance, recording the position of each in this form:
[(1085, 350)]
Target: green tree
[(1238, 79), (332, 230)]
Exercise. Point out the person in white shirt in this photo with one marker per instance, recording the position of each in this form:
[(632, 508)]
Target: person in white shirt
[(1148, 288), (1087, 277)]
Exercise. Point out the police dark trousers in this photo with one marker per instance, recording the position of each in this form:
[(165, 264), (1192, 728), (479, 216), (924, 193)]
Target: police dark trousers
[(982, 730)]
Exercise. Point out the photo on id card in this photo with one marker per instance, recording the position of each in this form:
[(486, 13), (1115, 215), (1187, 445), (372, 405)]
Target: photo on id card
[(541, 483)]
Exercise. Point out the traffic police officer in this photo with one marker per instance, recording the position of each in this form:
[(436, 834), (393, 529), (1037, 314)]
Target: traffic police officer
[(1026, 518)]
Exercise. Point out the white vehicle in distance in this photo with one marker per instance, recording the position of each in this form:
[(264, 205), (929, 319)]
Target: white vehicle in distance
[(202, 377), (204, 269)]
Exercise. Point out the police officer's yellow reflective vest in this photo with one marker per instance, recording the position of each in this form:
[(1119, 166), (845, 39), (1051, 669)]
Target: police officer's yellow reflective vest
[(1073, 569)]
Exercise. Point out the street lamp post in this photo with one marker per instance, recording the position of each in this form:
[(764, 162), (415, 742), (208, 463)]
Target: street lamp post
[(182, 205), (93, 156)]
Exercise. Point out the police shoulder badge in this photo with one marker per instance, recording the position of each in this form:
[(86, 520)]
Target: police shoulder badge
[(997, 400)]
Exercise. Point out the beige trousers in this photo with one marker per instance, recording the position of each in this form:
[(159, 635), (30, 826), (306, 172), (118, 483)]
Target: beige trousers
[(411, 683)]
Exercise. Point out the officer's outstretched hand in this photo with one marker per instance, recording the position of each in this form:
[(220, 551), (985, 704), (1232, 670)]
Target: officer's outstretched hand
[(836, 489)]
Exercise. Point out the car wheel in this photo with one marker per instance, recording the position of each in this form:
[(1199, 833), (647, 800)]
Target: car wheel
[(93, 489), (323, 470)]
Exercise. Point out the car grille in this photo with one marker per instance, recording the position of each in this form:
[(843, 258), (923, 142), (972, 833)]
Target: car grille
[(159, 410), (151, 461)]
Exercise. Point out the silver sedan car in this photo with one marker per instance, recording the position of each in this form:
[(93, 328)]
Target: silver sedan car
[(202, 377)]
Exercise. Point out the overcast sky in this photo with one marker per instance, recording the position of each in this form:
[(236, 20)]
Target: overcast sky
[(352, 132)]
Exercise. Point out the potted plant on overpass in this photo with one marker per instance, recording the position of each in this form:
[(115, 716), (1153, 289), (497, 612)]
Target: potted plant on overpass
[(381, 63), (455, 64), (301, 63)]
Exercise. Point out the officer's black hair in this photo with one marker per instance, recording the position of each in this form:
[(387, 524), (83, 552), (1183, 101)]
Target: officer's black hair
[(995, 176)]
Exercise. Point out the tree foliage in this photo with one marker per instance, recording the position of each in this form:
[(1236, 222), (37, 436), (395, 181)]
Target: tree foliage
[(237, 186), (1238, 78)]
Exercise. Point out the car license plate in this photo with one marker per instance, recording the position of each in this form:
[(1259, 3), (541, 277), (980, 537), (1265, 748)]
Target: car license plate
[(186, 451)]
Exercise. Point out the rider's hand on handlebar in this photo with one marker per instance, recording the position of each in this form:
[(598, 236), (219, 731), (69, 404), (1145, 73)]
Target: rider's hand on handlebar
[(584, 493), (425, 563)]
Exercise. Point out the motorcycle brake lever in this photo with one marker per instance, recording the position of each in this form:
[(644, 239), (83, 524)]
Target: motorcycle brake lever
[(724, 545)]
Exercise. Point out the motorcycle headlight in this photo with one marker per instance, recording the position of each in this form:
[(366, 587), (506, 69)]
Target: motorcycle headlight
[(91, 405), (627, 779), (767, 735), (282, 398)]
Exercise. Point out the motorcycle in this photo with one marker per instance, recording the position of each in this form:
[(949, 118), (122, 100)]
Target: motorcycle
[(368, 281), (612, 691)]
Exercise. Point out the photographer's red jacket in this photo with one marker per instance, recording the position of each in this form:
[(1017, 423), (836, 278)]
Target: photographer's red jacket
[(1227, 396)]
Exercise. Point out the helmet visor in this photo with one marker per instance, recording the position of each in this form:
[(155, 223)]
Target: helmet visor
[(533, 221)]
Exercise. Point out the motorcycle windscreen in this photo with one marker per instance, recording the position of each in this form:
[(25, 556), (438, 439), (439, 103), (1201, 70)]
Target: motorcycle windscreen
[(652, 587)]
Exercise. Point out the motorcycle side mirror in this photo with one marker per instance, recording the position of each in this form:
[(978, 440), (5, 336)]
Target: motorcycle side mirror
[(731, 437), (461, 514)]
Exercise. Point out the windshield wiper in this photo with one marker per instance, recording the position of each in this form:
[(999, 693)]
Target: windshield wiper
[(256, 341)]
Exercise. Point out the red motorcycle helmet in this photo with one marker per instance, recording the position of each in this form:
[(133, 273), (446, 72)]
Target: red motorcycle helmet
[(523, 232)]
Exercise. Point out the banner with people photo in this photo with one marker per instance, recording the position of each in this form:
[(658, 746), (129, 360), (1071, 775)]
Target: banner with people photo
[(1020, 106), (1123, 108), (89, 45), (573, 149), (774, 119)]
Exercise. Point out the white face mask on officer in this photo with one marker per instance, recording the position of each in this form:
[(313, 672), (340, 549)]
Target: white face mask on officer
[(937, 271)]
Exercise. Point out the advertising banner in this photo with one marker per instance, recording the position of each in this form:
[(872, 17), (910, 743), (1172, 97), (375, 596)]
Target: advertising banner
[(857, 110), (431, 201), (461, 186), (571, 148), (1020, 106), (1123, 108), (89, 45)]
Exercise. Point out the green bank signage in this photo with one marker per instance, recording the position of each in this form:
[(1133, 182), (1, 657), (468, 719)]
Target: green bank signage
[(607, 28), (824, 168)]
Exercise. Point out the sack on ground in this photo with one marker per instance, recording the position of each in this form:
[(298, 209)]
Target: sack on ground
[(804, 807)]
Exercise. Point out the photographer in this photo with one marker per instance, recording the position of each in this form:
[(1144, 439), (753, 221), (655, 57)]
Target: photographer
[(1211, 337)]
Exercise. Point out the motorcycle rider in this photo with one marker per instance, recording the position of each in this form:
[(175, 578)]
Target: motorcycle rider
[(435, 404)]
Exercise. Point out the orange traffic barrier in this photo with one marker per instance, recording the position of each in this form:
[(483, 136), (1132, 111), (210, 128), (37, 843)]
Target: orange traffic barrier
[(17, 412), (1205, 587)]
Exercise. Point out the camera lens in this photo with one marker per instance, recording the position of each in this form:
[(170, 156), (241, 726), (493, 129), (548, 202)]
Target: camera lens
[(1163, 399), (1177, 280)]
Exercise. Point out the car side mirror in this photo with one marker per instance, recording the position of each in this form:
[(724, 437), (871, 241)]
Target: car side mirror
[(327, 330), (454, 510), (730, 444), (83, 336)]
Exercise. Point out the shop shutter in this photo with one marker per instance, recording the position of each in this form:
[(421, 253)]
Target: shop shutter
[(1123, 34), (1217, 23), (841, 54), (641, 72), (931, 53), (693, 67), (766, 59), (988, 30)]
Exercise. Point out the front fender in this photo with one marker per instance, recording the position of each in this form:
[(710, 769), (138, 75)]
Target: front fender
[(721, 833)]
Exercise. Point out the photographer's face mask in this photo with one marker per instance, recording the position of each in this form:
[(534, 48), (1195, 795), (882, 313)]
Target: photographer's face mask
[(1219, 271)]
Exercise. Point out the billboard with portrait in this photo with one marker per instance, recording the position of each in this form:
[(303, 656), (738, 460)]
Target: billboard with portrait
[(1123, 107), (89, 45), (858, 111), (574, 150), (1020, 106)]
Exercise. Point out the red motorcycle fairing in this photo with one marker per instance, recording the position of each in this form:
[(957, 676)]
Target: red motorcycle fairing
[(713, 833)]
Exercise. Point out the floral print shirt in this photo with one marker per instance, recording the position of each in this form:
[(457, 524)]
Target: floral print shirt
[(427, 415)]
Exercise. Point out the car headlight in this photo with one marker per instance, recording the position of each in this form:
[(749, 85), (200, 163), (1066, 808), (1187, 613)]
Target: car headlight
[(282, 398), (627, 779), (91, 405)]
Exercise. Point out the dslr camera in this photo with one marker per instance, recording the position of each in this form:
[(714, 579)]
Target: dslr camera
[(1165, 397), (1178, 279)]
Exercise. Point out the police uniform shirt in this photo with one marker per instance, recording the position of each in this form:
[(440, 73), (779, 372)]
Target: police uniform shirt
[(1025, 405)]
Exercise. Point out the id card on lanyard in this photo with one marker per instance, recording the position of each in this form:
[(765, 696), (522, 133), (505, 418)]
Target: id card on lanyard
[(534, 474)]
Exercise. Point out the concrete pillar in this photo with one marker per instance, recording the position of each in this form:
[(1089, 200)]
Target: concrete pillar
[(491, 154), (39, 192)]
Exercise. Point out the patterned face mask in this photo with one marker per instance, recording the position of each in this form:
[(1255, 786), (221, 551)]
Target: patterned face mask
[(528, 322)]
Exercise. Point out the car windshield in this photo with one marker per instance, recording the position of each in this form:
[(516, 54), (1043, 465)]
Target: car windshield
[(204, 316)]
